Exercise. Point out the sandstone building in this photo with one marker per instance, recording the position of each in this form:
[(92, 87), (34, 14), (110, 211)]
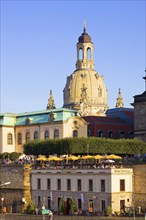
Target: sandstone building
[(85, 110)]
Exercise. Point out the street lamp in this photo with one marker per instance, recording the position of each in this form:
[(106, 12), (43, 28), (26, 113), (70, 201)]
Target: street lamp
[(2, 199)]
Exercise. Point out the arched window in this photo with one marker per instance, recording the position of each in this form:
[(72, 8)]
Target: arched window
[(131, 134), (100, 134), (19, 138), (46, 135), (111, 135), (36, 135), (27, 136), (9, 138), (122, 134), (56, 134), (89, 54), (75, 133), (80, 54)]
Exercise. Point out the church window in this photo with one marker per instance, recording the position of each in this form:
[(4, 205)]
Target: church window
[(80, 54), (122, 134), (88, 53), (19, 138), (111, 135), (36, 135), (75, 133), (131, 134), (9, 138), (47, 135), (27, 136), (100, 134), (56, 134)]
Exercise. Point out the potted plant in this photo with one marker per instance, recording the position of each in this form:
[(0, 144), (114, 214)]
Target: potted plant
[(61, 207), (73, 207), (108, 210)]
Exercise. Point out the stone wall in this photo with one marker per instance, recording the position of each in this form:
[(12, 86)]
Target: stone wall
[(139, 191), (19, 187)]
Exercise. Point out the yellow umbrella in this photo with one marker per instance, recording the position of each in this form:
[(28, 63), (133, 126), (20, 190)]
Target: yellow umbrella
[(113, 156), (54, 158), (87, 157), (72, 157), (98, 157), (41, 158)]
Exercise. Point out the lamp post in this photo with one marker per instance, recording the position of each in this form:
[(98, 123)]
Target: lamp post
[(2, 199)]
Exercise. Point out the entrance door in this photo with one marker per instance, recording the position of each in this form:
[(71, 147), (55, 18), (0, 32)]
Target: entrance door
[(90, 206), (122, 205), (102, 206)]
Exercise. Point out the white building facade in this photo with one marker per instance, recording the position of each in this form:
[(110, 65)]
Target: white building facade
[(91, 189)]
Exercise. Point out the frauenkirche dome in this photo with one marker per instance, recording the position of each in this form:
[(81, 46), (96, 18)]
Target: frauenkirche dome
[(85, 89)]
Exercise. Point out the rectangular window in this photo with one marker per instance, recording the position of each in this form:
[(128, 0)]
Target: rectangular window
[(90, 185), (79, 186), (68, 184), (122, 185), (49, 184), (58, 184), (38, 183), (102, 185), (19, 138), (9, 138)]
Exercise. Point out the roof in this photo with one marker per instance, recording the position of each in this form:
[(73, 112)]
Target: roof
[(119, 116), (140, 98), (8, 119), (38, 117), (84, 38)]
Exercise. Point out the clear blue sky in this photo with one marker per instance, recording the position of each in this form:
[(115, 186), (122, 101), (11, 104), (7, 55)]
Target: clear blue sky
[(38, 49)]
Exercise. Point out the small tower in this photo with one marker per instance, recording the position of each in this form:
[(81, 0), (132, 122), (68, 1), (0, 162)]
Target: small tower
[(119, 103), (51, 104), (84, 51)]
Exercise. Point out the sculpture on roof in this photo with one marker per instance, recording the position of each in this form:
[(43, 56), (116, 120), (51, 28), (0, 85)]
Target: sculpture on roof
[(119, 103), (51, 104)]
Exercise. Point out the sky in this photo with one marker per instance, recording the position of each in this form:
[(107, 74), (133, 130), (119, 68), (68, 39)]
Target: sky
[(38, 49)]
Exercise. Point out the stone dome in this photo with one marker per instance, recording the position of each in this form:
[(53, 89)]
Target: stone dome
[(85, 89)]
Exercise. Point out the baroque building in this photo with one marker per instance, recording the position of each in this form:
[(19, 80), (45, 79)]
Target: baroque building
[(85, 110), (85, 88), (140, 115)]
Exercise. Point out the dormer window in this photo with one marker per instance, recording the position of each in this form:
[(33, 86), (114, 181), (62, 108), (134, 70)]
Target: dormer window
[(27, 121)]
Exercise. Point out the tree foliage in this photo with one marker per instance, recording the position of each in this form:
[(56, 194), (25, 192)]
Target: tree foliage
[(79, 146)]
